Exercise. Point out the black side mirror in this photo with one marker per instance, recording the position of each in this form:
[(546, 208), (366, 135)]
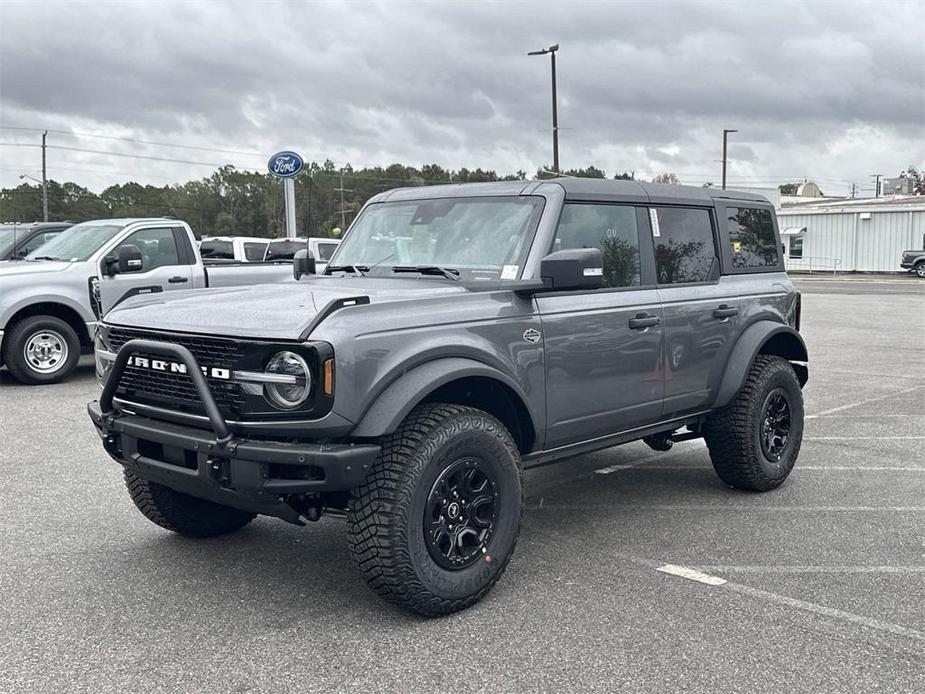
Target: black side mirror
[(129, 258), (303, 263), (573, 268)]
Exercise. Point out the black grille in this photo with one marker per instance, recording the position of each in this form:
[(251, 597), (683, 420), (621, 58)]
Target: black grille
[(176, 390)]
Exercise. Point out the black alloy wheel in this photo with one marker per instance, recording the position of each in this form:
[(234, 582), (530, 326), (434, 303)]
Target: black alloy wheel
[(775, 424), (460, 514)]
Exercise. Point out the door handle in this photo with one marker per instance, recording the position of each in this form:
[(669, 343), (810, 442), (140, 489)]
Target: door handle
[(178, 280), (725, 311), (641, 321)]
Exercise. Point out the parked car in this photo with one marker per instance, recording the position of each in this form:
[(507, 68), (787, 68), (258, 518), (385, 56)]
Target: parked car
[(51, 301), (459, 335), (19, 240), (242, 248), (914, 261), (321, 249)]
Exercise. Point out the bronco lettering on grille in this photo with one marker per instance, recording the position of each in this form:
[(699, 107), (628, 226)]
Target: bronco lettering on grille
[(175, 367)]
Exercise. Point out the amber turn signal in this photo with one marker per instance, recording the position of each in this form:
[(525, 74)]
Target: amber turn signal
[(328, 380)]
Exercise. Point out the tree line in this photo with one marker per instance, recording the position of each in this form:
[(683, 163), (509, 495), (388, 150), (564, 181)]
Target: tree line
[(246, 203)]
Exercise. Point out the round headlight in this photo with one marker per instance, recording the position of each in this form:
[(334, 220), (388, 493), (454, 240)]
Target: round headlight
[(295, 384)]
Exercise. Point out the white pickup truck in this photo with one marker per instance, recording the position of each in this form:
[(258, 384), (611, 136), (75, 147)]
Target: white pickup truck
[(50, 302)]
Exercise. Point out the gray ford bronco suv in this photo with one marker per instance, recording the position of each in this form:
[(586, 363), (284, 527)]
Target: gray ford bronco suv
[(459, 335)]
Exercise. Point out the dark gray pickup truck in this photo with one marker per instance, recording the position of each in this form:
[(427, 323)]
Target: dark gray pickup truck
[(459, 335)]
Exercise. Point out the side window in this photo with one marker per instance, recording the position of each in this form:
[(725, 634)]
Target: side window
[(684, 247), (751, 236), (612, 229), (158, 247), (254, 251)]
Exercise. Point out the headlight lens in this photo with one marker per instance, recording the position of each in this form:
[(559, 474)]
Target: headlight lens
[(104, 359), (292, 393)]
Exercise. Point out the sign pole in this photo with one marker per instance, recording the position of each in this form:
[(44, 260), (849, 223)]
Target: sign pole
[(289, 196)]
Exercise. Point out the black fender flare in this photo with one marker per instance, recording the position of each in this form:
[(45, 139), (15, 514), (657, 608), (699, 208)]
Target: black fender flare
[(394, 403), (784, 342)]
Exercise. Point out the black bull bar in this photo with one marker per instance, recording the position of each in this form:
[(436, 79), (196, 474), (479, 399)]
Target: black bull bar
[(251, 474)]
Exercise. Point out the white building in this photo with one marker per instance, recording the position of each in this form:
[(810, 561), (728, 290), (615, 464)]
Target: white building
[(851, 235)]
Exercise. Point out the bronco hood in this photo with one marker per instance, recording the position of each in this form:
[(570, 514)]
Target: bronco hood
[(281, 311)]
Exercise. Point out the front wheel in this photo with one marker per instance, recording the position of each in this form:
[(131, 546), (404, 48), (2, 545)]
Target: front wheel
[(436, 522), (41, 349), (920, 269), (754, 441)]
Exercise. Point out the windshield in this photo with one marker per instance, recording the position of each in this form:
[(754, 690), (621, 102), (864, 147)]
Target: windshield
[(481, 238), (77, 243), (7, 232)]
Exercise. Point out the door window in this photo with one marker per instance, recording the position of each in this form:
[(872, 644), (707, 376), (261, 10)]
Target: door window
[(610, 228), (325, 251), (684, 247), (217, 249), (158, 247), (751, 237)]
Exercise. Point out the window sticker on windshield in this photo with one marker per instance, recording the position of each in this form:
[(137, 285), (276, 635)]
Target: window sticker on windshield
[(653, 215), (509, 272)]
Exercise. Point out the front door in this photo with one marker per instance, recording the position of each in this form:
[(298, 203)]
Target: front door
[(602, 347), (162, 268)]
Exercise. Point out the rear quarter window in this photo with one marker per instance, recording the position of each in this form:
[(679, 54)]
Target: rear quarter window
[(752, 243)]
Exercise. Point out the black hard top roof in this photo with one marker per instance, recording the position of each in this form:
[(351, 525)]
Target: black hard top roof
[(578, 189)]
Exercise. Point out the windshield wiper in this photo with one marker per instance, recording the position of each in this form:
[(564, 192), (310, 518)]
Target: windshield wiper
[(448, 272), (360, 270), (46, 257)]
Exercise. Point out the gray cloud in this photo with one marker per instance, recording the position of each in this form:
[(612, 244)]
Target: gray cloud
[(829, 90)]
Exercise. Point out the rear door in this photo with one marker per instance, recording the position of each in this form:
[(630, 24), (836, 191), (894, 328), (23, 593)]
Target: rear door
[(700, 311), (167, 264), (602, 347)]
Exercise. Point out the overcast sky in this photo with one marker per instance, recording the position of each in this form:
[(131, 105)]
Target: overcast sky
[(832, 91)]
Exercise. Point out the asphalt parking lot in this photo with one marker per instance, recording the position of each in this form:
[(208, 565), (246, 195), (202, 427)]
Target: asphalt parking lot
[(824, 579)]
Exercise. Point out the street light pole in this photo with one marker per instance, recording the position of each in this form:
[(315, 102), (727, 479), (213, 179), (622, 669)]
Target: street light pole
[(555, 106), (44, 181), (726, 132)]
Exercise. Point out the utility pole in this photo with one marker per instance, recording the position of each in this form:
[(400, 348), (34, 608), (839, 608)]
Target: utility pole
[(44, 181), (876, 184), (726, 132), (343, 210), (852, 190), (555, 107)]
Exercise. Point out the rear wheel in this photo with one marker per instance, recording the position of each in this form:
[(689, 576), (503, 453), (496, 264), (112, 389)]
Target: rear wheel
[(920, 269), (755, 440), (41, 349), (183, 514), (436, 522)]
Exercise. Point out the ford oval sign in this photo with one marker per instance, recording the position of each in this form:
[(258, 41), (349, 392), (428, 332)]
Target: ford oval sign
[(285, 164)]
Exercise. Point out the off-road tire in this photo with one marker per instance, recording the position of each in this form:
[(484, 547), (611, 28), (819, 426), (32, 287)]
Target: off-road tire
[(919, 269), (183, 514), (20, 334), (733, 432), (386, 514)]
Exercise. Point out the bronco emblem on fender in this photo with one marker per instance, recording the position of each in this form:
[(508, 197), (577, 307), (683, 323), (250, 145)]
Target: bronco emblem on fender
[(532, 336)]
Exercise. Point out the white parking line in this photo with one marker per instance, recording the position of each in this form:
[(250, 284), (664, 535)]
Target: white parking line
[(863, 438), (863, 402), (612, 468), (691, 574), (764, 569), (869, 468)]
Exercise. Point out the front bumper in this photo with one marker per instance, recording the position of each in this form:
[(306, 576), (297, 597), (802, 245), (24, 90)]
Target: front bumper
[(261, 476)]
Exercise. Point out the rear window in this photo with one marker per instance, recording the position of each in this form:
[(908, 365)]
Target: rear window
[(217, 249), (751, 238), (684, 250)]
